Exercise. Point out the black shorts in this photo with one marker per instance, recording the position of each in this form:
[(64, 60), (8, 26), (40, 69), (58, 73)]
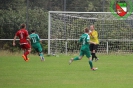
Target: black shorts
[(93, 47)]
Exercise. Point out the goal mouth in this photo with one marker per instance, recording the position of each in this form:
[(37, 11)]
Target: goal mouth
[(65, 28)]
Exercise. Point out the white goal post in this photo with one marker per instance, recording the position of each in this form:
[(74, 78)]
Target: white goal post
[(65, 28)]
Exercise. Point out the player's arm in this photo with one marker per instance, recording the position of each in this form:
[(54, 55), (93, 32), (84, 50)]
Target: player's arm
[(15, 37), (90, 33), (39, 38), (80, 40), (88, 39), (28, 39)]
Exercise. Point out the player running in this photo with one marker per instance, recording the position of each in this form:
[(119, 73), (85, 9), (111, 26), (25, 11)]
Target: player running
[(24, 43), (35, 43), (84, 50)]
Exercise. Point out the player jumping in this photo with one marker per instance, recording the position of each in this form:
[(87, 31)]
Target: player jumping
[(84, 50), (24, 43)]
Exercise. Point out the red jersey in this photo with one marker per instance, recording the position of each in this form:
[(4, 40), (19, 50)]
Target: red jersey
[(22, 34)]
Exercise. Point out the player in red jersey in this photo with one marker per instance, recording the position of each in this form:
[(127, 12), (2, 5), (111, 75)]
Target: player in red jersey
[(24, 43)]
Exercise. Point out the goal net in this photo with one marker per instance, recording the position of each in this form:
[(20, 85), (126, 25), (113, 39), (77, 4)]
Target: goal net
[(65, 29)]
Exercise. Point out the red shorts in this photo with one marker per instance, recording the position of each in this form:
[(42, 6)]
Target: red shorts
[(25, 46)]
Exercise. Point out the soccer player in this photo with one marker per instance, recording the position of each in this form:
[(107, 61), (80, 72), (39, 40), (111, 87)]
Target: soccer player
[(35, 43), (24, 43), (84, 50), (93, 38)]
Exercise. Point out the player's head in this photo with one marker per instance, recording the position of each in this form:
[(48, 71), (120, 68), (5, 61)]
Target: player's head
[(32, 31), (92, 27), (86, 30), (23, 26)]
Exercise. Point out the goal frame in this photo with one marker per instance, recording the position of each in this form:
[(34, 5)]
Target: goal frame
[(49, 27)]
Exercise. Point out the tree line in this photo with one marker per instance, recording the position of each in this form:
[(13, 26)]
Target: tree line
[(35, 14)]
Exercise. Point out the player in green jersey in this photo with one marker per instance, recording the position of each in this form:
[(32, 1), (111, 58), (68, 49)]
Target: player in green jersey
[(84, 50), (35, 43)]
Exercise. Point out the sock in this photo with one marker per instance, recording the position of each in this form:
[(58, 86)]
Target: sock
[(41, 55), (26, 53), (93, 56), (90, 63), (76, 58)]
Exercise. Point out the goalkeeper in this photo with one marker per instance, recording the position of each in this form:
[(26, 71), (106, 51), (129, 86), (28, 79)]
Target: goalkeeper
[(93, 38), (84, 50)]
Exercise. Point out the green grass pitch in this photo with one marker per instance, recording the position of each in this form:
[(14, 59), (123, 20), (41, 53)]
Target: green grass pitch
[(114, 71)]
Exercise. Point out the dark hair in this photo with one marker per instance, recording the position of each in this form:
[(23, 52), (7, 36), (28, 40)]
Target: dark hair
[(23, 26), (86, 30), (32, 31)]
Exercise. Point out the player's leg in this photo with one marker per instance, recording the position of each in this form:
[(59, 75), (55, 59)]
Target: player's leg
[(91, 49), (27, 50), (88, 55), (77, 58), (23, 47), (36, 49), (41, 53), (94, 52)]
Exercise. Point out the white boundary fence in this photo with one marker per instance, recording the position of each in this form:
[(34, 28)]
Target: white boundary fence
[(106, 46)]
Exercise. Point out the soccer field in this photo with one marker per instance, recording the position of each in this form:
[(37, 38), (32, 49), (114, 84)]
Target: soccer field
[(114, 71)]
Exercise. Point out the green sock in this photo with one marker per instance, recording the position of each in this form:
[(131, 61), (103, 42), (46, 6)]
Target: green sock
[(76, 58), (91, 65), (41, 54)]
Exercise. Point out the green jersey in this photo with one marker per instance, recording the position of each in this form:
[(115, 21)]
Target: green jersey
[(35, 43), (84, 39), (34, 39)]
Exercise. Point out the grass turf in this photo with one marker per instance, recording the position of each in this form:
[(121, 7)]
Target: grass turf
[(114, 71)]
